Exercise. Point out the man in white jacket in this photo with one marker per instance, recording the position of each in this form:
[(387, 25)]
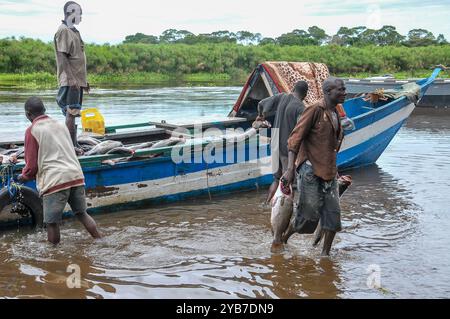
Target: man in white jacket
[(51, 160)]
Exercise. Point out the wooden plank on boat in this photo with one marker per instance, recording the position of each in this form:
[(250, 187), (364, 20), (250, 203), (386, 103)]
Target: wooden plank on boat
[(225, 122), (139, 136), (113, 129)]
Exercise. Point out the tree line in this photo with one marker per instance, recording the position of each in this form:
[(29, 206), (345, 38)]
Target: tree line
[(356, 36), (28, 55)]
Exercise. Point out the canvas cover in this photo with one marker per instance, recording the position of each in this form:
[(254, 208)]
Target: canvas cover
[(272, 78)]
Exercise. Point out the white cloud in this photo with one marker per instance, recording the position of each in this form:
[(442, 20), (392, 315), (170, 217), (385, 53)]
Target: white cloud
[(110, 21)]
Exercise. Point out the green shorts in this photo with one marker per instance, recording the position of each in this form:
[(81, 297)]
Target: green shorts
[(55, 203)]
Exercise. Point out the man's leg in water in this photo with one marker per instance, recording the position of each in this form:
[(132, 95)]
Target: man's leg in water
[(318, 235), (53, 234), (289, 232), (77, 202), (328, 241), (330, 216), (90, 225), (53, 205)]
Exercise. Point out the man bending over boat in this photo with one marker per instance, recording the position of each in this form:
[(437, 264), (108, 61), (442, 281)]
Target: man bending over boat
[(287, 109), (313, 147), (51, 160)]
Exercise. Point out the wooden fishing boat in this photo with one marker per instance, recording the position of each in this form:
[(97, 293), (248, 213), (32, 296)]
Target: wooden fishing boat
[(214, 162), (437, 96)]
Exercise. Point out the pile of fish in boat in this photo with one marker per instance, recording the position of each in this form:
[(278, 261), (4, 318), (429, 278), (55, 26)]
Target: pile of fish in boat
[(92, 146), (6, 155)]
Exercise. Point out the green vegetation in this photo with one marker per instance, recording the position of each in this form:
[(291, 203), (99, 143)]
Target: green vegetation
[(357, 36), (34, 80), (47, 81), (223, 57)]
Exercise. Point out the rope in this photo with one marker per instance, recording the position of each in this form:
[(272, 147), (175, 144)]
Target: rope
[(207, 181), (7, 178)]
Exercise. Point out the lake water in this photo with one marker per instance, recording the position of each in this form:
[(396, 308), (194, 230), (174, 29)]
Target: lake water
[(395, 224)]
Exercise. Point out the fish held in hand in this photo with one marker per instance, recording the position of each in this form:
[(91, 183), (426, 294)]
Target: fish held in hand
[(282, 208)]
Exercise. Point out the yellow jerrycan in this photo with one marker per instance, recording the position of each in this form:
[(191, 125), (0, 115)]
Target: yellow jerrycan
[(92, 121)]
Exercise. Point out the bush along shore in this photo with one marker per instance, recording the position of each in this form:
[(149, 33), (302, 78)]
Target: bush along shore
[(30, 63)]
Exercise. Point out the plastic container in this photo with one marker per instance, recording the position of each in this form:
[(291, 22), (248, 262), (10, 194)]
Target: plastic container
[(92, 121)]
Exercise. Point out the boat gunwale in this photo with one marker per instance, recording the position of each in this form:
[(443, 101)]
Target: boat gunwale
[(139, 155)]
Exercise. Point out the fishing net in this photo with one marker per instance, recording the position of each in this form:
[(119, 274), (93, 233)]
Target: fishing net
[(15, 191)]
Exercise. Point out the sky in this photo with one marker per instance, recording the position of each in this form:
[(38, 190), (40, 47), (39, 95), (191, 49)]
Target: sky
[(109, 21)]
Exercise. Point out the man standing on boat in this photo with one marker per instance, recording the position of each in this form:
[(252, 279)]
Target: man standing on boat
[(288, 109), (51, 160), (71, 68), (313, 148)]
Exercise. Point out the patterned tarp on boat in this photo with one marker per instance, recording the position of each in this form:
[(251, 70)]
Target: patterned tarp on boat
[(279, 77)]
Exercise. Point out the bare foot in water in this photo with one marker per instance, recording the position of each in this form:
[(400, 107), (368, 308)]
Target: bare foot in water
[(324, 255), (277, 248)]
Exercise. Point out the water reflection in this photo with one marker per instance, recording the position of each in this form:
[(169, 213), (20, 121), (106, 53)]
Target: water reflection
[(125, 106), (378, 211)]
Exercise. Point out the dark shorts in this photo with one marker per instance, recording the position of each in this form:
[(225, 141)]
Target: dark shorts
[(55, 203), (71, 99), (318, 200)]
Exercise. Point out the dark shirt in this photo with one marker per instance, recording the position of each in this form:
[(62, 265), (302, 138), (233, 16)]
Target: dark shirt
[(287, 109), (317, 139)]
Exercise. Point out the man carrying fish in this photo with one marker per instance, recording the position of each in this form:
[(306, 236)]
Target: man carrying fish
[(71, 68), (51, 160), (313, 147), (287, 109)]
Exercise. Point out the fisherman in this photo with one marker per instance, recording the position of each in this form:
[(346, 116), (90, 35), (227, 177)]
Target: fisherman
[(287, 109), (71, 68), (313, 147), (51, 160)]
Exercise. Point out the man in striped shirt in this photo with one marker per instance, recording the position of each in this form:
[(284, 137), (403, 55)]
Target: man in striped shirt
[(51, 160)]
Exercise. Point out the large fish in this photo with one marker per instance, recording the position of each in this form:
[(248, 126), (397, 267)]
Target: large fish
[(141, 146), (282, 207), (104, 147), (169, 142), (87, 140), (121, 151)]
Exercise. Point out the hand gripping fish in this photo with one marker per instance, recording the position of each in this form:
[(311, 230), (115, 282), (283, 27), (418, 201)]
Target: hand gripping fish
[(282, 208)]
